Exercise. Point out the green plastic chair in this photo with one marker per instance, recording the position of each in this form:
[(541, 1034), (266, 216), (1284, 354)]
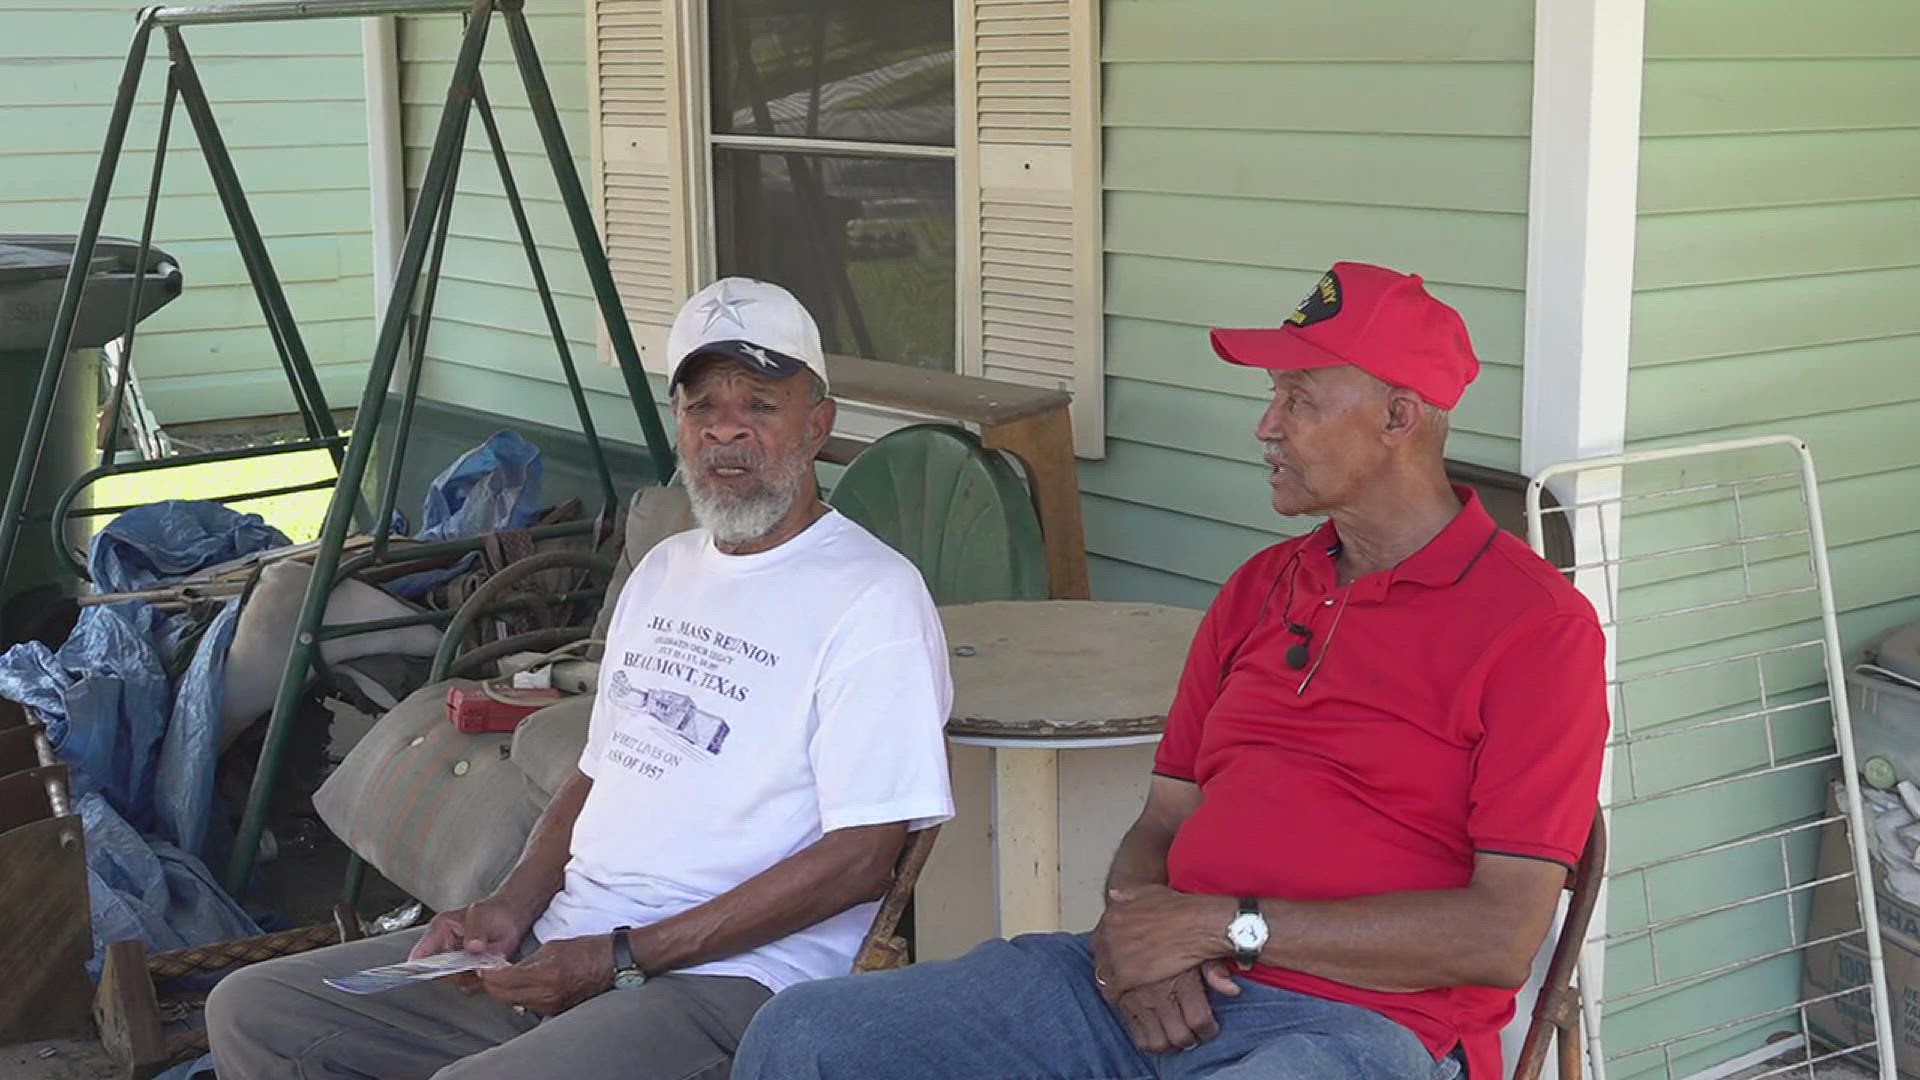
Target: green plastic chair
[(955, 508)]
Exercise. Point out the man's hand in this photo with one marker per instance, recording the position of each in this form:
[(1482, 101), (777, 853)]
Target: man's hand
[(490, 926), (1174, 1014), (1150, 934), (558, 976)]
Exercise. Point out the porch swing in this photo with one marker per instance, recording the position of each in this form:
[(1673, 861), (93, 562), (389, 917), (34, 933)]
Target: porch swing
[(424, 248)]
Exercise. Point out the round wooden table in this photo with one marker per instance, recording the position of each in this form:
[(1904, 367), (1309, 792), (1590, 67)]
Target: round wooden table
[(1033, 678)]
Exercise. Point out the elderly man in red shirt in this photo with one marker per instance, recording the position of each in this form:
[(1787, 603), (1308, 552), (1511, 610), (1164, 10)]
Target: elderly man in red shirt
[(1381, 762)]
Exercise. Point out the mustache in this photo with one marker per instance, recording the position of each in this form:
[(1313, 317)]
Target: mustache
[(1271, 454), (729, 457)]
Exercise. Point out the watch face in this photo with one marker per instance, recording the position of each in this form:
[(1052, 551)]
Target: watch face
[(1247, 932), (627, 980)]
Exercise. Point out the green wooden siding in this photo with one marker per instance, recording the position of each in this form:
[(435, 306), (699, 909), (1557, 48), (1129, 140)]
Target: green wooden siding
[(1777, 271), (291, 103), (1381, 136), (489, 348), (1249, 145)]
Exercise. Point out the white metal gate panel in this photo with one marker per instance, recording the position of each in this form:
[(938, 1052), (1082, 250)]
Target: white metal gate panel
[(1708, 565)]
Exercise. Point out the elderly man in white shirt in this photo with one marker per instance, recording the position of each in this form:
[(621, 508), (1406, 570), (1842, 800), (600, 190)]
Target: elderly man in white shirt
[(767, 733)]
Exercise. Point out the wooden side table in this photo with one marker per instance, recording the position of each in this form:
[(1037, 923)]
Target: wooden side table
[(1027, 422), (1034, 679)]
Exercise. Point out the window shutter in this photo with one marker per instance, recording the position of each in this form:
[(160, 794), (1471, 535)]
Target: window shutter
[(639, 101), (1029, 215)]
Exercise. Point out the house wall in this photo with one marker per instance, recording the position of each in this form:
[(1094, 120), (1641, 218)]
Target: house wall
[(1777, 267), (488, 348), (1249, 145), (291, 104)]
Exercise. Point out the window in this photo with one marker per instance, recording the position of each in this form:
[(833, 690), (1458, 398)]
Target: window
[(924, 174), (832, 141)]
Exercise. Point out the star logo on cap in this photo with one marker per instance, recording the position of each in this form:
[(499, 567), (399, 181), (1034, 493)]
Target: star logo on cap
[(760, 355), (724, 305)]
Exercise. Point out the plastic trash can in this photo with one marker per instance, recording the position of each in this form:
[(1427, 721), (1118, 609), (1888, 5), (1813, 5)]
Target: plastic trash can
[(33, 272)]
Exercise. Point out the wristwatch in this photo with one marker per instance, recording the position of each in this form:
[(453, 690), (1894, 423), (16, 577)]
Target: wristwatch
[(1247, 933), (626, 972)]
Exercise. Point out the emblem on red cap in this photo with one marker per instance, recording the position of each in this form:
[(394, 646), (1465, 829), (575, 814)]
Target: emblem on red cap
[(1321, 303)]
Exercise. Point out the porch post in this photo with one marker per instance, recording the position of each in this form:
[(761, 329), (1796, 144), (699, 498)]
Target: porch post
[(1581, 210)]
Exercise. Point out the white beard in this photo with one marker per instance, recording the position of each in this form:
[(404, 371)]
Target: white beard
[(739, 519)]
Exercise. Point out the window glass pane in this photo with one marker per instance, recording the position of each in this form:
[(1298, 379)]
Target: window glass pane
[(867, 243), (872, 70)]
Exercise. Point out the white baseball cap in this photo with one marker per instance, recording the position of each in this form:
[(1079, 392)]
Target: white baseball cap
[(757, 323)]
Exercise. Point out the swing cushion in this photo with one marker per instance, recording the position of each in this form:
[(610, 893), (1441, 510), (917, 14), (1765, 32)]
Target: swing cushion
[(444, 815), (440, 813)]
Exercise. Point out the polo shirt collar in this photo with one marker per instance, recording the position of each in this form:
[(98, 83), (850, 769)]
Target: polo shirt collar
[(1443, 561)]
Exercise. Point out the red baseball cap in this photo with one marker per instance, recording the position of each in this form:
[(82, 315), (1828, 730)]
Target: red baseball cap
[(1381, 321)]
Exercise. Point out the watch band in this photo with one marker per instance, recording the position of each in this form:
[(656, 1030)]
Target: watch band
[(1245, 958), (622, 951)]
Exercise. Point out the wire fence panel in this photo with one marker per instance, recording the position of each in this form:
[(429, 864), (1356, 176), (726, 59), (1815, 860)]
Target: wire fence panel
[(1732, 796)]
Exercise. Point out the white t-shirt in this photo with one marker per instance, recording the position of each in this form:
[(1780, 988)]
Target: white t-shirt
[(748, 705)]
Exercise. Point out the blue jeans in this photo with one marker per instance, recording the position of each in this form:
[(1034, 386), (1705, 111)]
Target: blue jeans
[(1027, 1009)]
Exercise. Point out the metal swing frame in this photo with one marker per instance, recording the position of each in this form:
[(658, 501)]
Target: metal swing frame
[(424, 247)]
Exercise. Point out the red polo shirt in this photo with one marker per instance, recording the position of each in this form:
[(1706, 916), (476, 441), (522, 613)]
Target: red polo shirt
[(1458, 706)]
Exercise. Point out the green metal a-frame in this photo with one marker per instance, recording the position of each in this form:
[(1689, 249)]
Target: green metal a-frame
[(424, 247)]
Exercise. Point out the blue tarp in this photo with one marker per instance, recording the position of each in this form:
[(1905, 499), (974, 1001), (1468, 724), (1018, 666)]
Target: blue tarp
[(105, 698), (144, 887), (493, 486), (140, 747), (164, 541)]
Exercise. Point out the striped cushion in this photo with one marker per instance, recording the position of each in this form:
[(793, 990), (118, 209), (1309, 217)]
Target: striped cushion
[(441, 814)]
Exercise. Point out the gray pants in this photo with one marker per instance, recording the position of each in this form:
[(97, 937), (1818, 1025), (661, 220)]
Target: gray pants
[(278, 1019)]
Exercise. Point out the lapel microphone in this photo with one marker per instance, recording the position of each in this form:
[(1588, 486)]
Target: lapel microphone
[(1297, 654)]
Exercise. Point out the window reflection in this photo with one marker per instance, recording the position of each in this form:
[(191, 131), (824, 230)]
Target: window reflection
[(867, 243), (869, 70)]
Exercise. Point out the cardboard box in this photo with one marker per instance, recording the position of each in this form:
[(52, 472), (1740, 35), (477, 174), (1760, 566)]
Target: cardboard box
[(1842, 965)]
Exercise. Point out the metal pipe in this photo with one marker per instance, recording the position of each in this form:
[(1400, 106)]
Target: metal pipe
[(333, 534), (443, 617), (62, 507), (385, 153), (284, 10), (110, 419), (356, 880), (1725, 846), (609, 500), (1729, 1025), (1804, 761), (1616, 937), (592, 253), (238, 496), (1850, 766), (417, 355), (28, 460), (417, 552), (294, 358), (531, 641), (522, 569), (789, 144)]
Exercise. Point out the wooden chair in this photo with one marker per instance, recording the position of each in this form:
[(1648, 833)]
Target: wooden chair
[(1556, 1012), (884, 949)]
